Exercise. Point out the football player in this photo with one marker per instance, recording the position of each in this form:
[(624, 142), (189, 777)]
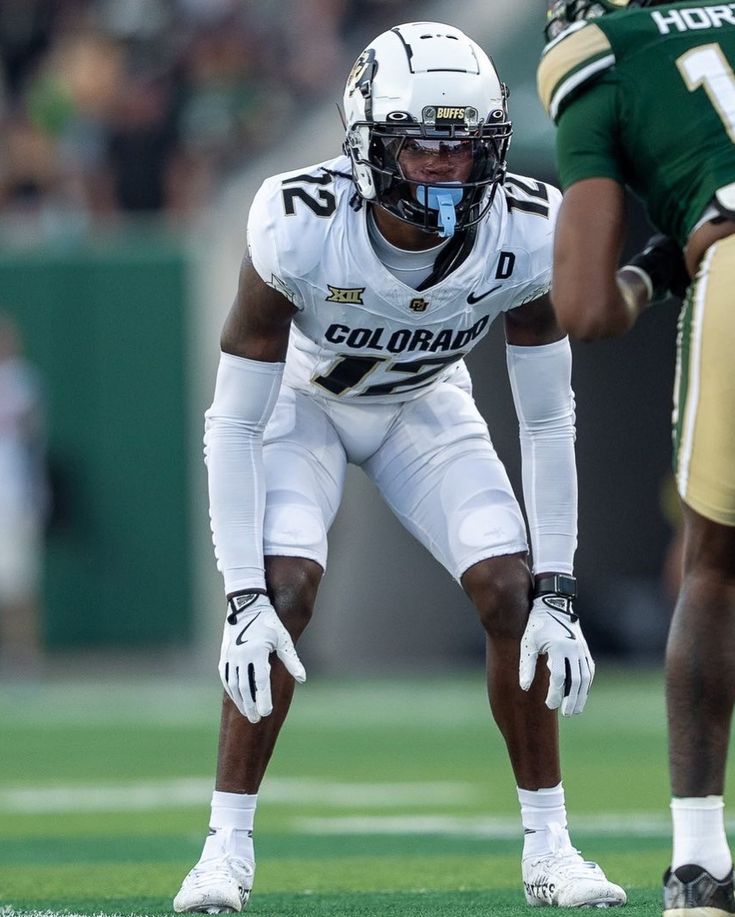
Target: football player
[(643, 94), (368, 279)]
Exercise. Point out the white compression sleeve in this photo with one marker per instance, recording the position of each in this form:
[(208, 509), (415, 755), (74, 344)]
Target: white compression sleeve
[(244, 397), (540, 379)]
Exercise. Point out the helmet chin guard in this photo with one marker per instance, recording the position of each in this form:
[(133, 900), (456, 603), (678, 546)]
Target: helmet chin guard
[(426, 81)]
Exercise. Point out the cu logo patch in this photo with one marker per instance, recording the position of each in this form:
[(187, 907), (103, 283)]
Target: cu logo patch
[(418, 305), (351, 296)]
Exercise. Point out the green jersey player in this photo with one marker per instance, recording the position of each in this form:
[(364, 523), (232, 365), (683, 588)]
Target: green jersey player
[(643, 95)]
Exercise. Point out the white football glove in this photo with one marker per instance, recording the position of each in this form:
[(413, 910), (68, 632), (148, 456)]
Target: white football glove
[(553, 630), (253, 631)]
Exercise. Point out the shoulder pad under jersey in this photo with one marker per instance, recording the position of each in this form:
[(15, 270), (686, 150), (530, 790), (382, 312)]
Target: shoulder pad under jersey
[(529, 195), (578, 56), (291, 217)]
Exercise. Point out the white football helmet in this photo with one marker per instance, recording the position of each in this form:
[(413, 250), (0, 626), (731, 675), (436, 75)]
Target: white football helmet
[(425, 80)]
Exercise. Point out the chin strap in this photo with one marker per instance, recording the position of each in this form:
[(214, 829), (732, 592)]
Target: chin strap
[(444, 200), (451, 256)]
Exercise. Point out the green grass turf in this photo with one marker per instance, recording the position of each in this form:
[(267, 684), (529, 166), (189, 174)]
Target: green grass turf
[(366, 734)]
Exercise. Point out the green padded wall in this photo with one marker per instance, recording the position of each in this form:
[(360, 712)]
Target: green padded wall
[(105, 324)]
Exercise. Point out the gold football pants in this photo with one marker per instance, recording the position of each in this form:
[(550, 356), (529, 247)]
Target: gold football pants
[(704, 394)]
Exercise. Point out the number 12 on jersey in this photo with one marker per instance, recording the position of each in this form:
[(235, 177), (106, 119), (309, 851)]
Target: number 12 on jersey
[(348, 372)]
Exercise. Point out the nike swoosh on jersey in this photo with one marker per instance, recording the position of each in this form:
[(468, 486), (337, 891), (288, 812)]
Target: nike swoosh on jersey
[(239, 641), (472, 299)]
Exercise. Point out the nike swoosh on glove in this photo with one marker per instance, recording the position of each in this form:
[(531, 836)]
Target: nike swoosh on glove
[(252, 632), (553, 630)]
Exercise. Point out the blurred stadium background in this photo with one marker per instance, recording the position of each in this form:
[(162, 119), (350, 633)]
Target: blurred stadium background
[(136, 132)]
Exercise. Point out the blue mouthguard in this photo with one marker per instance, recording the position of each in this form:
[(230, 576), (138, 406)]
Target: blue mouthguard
[(444, 200)]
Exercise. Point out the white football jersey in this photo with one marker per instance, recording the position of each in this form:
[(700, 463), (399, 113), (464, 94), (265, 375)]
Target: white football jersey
[(361, 333)]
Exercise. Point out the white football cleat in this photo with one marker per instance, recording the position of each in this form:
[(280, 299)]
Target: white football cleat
[(563, 878), (216, 885)]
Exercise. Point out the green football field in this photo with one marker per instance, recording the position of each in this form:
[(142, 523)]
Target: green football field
[(384, 797)]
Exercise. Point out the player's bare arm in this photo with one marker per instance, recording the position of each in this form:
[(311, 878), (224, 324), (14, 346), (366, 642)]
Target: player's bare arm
[(258, 323), (532, 324), (592, 299), (589, 301)]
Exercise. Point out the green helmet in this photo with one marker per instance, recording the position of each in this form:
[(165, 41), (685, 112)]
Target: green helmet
[(563, 13)]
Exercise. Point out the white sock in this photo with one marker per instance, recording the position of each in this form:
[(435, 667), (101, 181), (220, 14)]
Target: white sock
[(231, 825), (539, 809), (699, 834)]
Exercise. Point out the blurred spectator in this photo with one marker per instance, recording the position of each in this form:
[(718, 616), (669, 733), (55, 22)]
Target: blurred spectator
[(231, 105), (117, 106), (26, 30), (23, 508), (313, 62), (140, 148)]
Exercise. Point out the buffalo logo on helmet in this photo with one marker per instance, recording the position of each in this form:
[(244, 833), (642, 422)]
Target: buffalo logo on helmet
[(361, 75)]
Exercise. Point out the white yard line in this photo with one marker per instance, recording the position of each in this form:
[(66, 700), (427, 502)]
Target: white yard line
[(641, 824), (195, 791), (328, 794)]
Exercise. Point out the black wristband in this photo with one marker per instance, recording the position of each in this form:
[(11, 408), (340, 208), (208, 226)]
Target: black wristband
[(233, 605), (558, 583), (663, 261)]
